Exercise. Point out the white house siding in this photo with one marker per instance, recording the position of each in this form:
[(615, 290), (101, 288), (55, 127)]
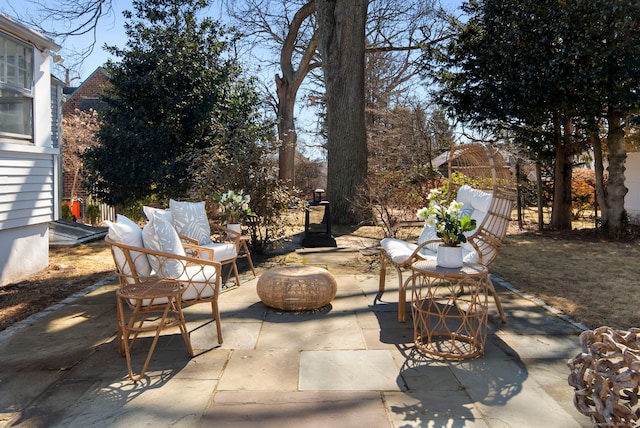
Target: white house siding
[(24, 252), (632, 182), (27, 171), (26, 189), (26, 208)]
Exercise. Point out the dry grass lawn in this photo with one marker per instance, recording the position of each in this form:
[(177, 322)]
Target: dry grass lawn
[(591, 279)]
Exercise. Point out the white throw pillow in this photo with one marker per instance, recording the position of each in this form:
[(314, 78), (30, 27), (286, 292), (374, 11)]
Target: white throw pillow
[(480, 200), (127, 232), (160, 235), (476, 205), (474, 198), (150, 211), (150, 240), (190, 220), (149, 236), (464, 195)]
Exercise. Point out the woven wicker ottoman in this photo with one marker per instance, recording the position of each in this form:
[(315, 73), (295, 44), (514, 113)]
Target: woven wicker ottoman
[(297, 288)]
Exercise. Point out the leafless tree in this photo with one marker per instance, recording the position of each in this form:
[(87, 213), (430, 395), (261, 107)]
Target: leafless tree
[(291, 28), (79, 131), (287, 30)]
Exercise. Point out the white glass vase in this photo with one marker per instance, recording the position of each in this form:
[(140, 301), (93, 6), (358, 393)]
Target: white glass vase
[(449, 257)]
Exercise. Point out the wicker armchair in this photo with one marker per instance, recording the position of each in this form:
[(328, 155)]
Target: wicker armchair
[(201, 278), (487, 170), (190, 221), (224, 249)]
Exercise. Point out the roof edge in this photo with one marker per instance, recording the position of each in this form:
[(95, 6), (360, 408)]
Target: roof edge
[(27, 34)]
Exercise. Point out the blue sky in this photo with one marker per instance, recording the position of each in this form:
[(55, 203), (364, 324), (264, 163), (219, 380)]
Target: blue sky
[(110, 31)]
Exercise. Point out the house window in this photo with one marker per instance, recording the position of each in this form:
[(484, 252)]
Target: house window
[(16, 91)]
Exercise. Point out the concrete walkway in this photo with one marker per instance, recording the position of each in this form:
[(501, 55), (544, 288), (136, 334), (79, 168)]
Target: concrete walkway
[(351, 365)]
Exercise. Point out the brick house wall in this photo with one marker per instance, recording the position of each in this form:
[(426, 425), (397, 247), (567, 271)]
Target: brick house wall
[(85, 97)]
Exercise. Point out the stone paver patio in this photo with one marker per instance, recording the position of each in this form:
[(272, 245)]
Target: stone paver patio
[(350, 365)]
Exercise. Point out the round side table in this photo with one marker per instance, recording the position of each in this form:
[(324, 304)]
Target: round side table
[(449, 308), (161, 297)]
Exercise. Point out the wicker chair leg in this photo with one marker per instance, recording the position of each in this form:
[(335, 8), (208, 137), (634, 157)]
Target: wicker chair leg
[(233, 268), (235, 272), (216, 317), (383, 274), (492, 289), (402, 297)]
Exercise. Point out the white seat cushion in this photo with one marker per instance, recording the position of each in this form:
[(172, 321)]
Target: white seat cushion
[(469, 256), (400, 251), (201, 282), (221, 251)]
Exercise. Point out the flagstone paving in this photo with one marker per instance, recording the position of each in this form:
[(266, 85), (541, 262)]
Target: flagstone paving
[(348, 365)]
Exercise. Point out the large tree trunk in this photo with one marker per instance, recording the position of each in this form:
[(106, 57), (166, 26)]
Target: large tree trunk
[(287, 88), (601, 191), (616, 189), (286, 130), (341, 25), (561, 214), (539, 188)]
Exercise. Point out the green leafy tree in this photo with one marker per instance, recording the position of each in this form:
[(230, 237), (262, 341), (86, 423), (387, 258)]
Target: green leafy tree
[(607, 64), (173, 92), (545, 64), (493, 77)]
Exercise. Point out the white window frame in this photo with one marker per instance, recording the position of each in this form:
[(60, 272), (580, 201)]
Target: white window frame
[(16, 90)]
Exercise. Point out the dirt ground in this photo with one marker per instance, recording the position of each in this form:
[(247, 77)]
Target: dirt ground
[(71, 269)]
